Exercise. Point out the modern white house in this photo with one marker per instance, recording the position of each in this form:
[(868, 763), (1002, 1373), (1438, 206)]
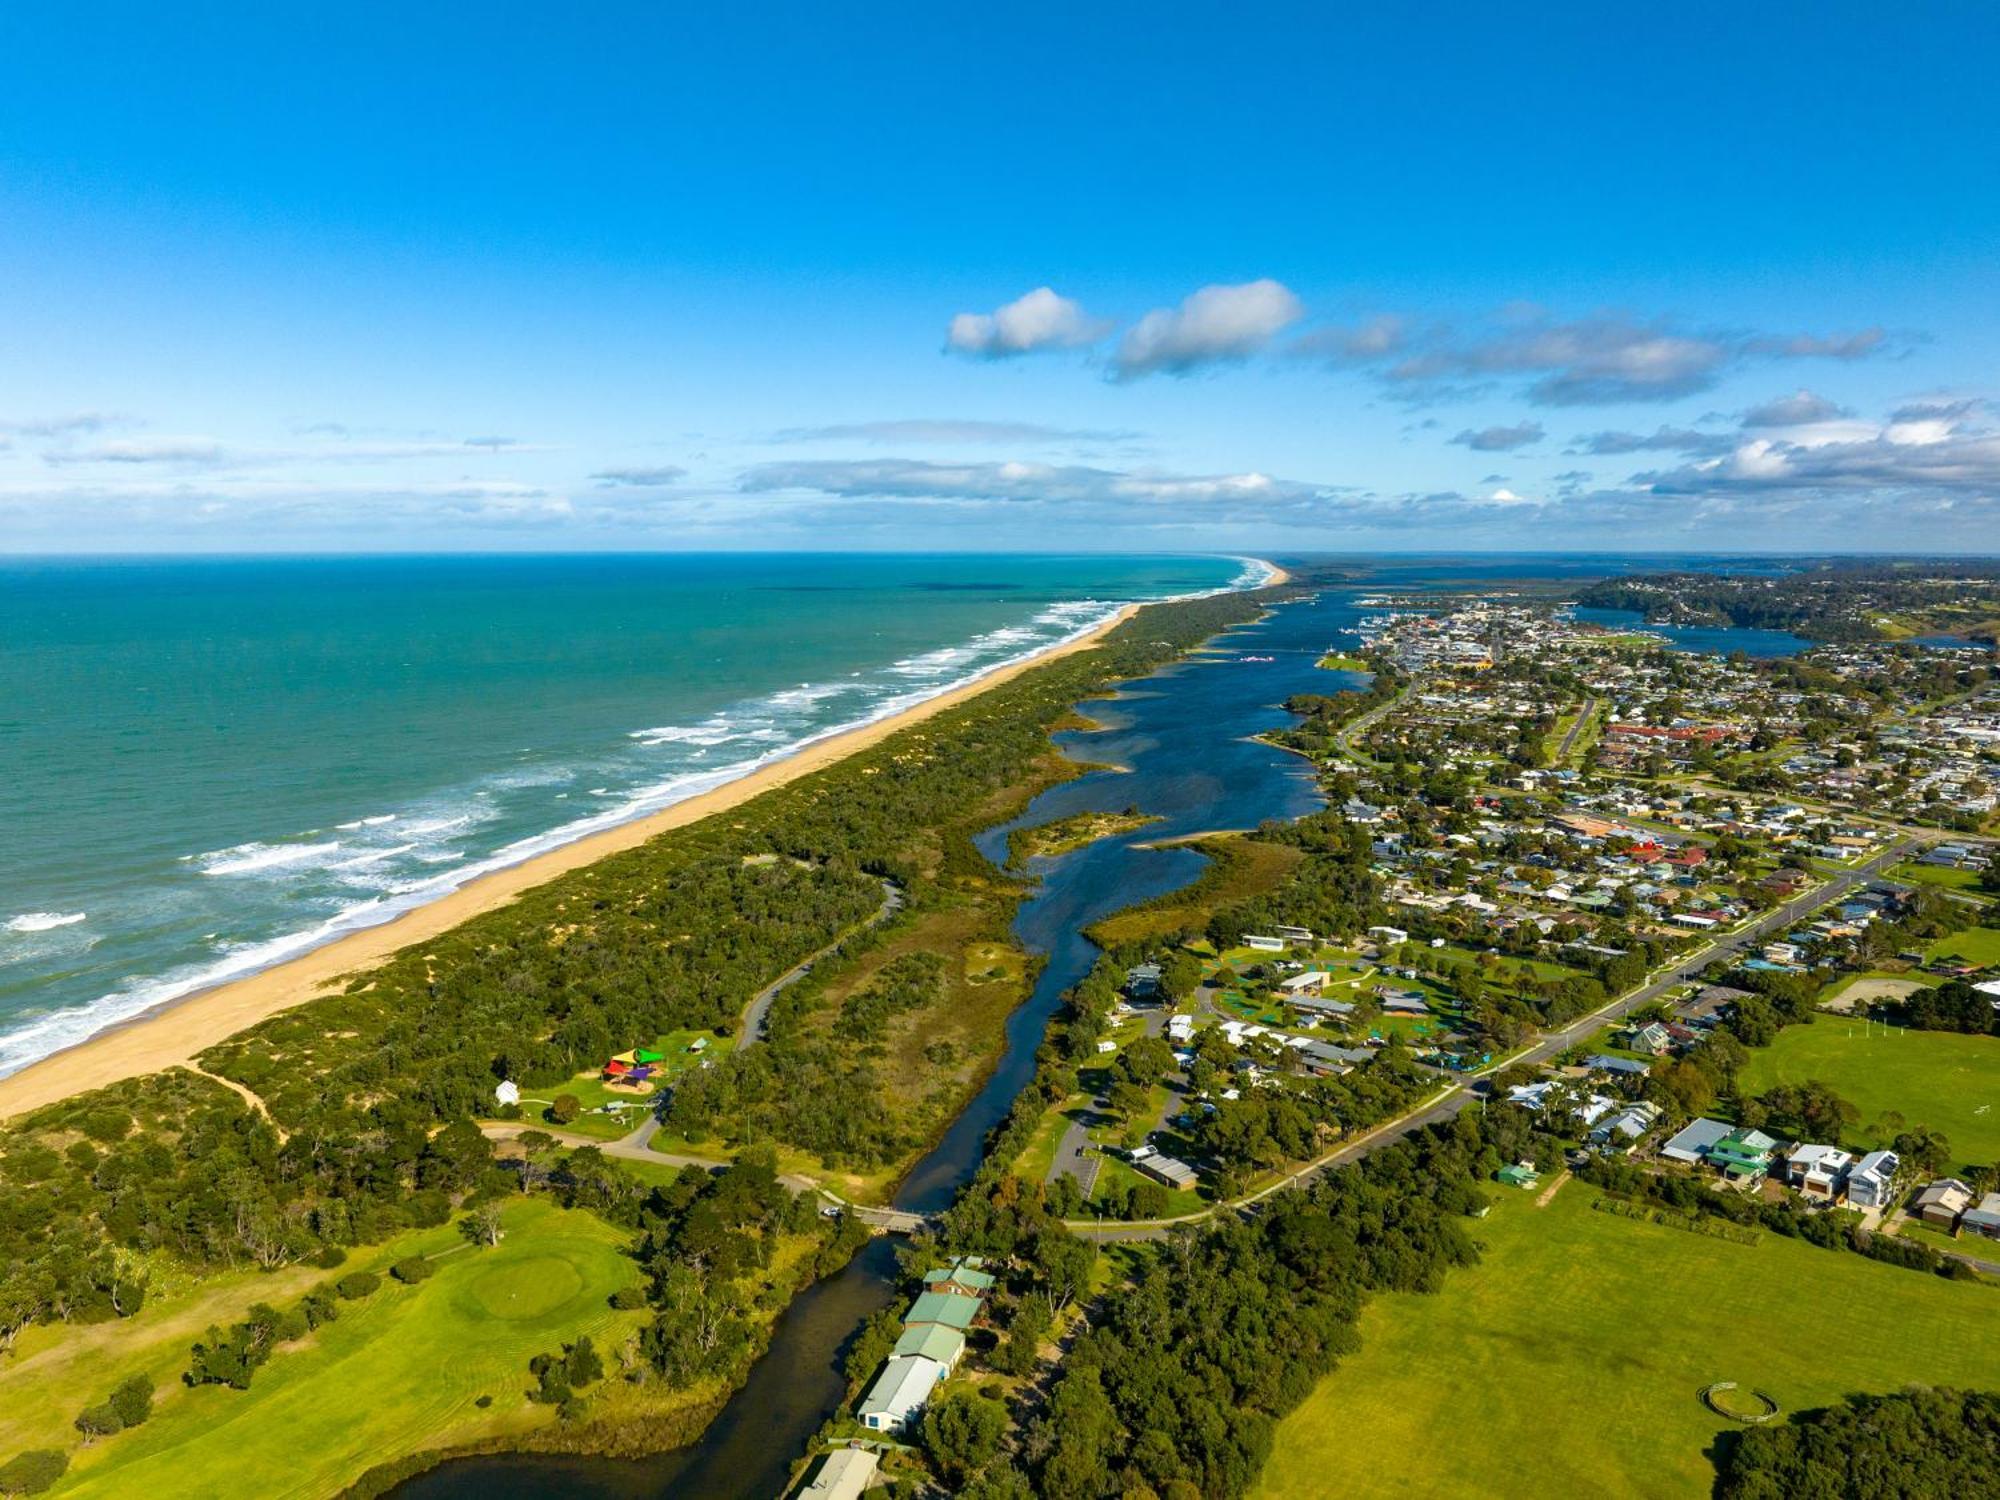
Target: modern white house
[(1872, 1181), (1817, 1171), (899, 1392), (1263, 942)]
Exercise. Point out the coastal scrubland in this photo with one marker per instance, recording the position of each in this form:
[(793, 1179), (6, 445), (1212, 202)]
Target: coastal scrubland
[(345, 1124)]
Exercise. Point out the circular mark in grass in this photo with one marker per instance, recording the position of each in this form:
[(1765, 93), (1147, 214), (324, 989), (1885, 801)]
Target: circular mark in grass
[(528, 1288), (1740, 1403)]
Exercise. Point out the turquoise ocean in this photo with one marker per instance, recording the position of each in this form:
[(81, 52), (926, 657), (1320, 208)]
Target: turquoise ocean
[(208, 766)]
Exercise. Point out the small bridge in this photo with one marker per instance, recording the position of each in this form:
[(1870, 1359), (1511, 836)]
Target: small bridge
[(889, 1220)]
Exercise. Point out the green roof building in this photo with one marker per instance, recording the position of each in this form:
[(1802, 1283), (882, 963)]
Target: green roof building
[(963, 1273), (1518, 1175), (948, 1308), (932, 1341), (1743, 1153)]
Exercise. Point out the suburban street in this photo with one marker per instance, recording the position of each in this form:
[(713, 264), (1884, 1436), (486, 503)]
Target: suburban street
[(1458, 1095)]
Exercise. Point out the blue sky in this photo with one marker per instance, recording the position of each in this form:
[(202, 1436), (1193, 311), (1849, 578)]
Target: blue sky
[(287, 277)]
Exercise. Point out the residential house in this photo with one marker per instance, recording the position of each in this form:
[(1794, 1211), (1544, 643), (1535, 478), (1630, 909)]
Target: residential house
[(900, 1391), (1605, 1062), (845, 1475), (1743, 1153), (1653, 1039), (1263, 943), (932, 1341), (1940, 1203), (1985, 1219), (1306, 985), (1817, 1171), (953, 1309), (1628, 1127), (1872, 1181), (1693, 1141), (964, 1276)]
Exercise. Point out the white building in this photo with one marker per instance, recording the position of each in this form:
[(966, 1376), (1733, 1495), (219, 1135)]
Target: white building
[(1817, 1171), (1873, 1180), (899, 1393)]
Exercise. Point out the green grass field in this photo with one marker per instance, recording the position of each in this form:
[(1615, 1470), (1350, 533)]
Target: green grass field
[(1938, 875), (1975, 945), (1570, 1361), (1942, 1079), (398, 1372)]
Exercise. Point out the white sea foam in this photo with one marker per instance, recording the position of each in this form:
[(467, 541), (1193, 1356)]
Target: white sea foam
[(44, 921), (248, 859), (373, 857), (781, 722)]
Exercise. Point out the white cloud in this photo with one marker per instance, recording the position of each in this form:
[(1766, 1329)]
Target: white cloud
[(1040, 320), (1217, 323), (1931, 452)]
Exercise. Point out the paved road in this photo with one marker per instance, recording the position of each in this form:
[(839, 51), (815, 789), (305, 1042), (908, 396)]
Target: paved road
[(1582, 718), (1459, 1095), (751, 1030)]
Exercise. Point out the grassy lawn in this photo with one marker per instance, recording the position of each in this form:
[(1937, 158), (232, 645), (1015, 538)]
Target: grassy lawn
[(1117, 1178), (629, 1107), (1942, 1079), (1975, 945), (1938, 875), (1570, 1361), (397, 1373), (1033, 1164)]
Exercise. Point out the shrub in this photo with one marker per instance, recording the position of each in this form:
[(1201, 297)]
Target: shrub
[(99, 1421), (133, 1400), (566, 1108), (628, 1297), (327, 1257), (412, 1270), (319, 1306), (32, 1472), (357, 1284)]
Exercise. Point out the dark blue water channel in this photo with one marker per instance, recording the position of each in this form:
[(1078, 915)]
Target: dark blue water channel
[(1181, 748)]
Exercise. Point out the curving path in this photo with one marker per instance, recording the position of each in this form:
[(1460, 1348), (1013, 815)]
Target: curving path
[(751, 1031)]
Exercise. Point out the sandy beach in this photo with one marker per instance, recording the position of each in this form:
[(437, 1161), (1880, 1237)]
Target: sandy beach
[(175, 1033)]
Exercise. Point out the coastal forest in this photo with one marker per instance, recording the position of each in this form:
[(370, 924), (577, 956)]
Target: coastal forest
[(351, 1118)]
